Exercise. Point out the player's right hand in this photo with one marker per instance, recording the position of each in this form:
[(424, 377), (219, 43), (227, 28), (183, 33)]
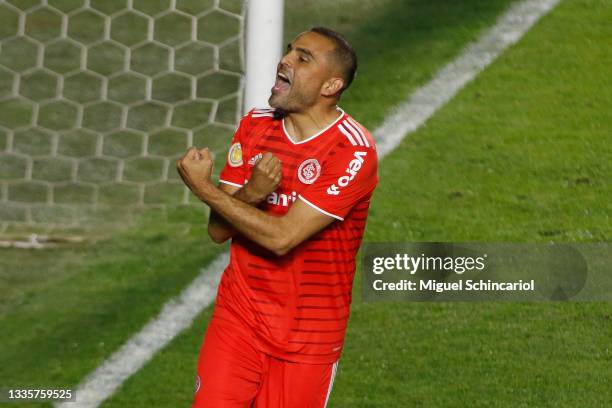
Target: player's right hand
[(266, 176)]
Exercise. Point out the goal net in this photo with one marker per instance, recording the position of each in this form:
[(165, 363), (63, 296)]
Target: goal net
[(98, 98)]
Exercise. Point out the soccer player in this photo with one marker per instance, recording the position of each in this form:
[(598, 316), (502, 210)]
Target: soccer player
[(294, 197)]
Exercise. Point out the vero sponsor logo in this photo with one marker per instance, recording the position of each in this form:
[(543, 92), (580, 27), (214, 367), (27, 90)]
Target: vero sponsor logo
[(353, 168)]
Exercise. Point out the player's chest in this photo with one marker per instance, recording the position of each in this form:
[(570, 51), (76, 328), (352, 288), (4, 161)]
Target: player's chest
[(301, 167)]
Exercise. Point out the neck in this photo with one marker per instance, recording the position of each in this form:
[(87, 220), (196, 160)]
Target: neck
[(302, 125)]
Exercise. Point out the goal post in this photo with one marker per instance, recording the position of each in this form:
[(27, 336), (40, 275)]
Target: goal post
[(264, 36)]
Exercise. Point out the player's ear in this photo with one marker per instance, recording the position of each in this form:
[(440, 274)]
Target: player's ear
[(332, 86)]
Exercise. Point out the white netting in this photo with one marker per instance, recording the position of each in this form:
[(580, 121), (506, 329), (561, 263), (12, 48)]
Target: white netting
[(99, 97)]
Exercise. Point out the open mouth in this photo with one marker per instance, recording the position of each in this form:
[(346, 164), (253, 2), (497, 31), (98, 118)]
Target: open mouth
[(281, 84)]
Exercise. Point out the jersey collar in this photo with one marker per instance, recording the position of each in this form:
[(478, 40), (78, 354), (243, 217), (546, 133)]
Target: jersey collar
[(320, 132)]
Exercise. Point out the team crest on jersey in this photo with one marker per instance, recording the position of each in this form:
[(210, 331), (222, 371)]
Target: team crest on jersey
[(309, 171), (234, 157)]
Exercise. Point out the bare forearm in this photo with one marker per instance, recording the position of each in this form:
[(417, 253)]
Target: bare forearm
[(218, 228), (258, 226)]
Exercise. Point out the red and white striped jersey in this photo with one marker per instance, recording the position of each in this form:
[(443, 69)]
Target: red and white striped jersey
[(298, 304)]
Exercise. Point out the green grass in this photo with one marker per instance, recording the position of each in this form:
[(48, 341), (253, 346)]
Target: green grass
[(64, 311), (522, 154), (519, 155)]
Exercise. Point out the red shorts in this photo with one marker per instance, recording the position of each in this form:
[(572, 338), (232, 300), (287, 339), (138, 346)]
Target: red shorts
[(233, 373)]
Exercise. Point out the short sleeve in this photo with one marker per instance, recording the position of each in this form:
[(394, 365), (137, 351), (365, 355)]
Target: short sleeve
[(349, 175), (233, 173)]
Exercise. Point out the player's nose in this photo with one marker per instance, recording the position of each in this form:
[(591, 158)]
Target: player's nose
[(284, 63)]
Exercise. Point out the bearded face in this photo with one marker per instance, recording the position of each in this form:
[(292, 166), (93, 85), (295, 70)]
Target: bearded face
[(301, 73)]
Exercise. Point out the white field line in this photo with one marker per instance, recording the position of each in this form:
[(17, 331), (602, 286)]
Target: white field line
[(179, 313), (425, 101), (176, 316)]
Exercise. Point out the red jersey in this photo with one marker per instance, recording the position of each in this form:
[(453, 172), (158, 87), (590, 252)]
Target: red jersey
[(298, 304)]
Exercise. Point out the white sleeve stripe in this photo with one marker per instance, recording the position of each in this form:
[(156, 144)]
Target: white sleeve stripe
[(355, 133), (230, 183), (261, 115), (319, 209), (347, 134), (359, 130)]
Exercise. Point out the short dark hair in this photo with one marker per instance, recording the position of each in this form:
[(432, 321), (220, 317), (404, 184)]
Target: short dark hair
[(343, 52)]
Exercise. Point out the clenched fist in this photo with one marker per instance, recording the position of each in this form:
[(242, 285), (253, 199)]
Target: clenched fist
[(195, 168), (266, 176)]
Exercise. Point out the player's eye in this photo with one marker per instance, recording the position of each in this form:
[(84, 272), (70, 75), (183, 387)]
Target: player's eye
[(302, 59)]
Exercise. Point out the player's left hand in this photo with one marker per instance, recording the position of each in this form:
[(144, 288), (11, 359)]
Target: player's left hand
[(195, 168)]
